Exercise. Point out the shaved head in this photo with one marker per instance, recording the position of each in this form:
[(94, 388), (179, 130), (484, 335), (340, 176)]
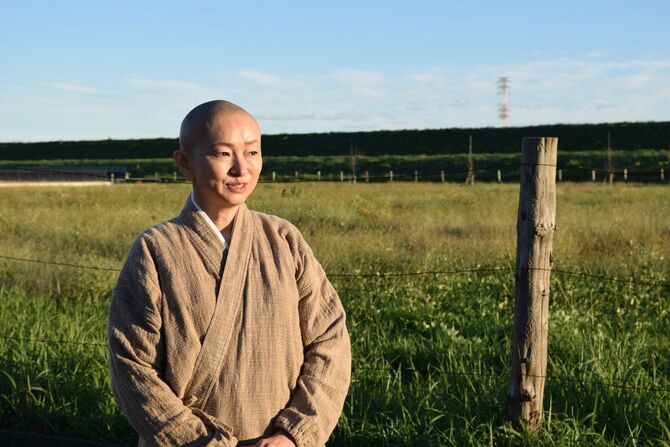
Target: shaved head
[(195, 127)]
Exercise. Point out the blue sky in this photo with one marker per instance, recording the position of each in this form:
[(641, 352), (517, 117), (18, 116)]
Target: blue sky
[(92, 70)]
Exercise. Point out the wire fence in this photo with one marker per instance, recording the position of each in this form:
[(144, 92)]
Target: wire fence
[(390, 369), (399, 369), (111, 175), (395, 274)]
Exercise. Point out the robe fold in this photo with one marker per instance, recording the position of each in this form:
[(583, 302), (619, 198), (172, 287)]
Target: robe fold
[(214, 348)]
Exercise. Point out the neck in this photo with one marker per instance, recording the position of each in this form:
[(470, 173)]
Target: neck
[(222, 217)]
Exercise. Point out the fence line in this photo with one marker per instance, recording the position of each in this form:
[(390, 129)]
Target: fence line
[(392, 369), (395, 274), (492, 373), (349, 177)]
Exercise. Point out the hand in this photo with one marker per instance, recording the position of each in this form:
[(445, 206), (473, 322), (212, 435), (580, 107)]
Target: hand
[(279, 439)]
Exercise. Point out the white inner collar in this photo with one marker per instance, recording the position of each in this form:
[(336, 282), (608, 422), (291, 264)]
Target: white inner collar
[(209, 222)]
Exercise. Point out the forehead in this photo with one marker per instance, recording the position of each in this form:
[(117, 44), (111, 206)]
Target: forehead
[(232, 124)]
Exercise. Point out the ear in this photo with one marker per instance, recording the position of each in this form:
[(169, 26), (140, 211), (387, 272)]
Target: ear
[(183, 161)]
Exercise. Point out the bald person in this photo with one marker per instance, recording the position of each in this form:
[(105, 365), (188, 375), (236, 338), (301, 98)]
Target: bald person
[(223, 328)]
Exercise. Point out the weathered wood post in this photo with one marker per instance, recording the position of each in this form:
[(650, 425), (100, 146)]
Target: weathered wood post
[(318, 175), (499, 176), (174, 176), (295, 173), (560, 175), (390, 176), (610, 165), (341, 176), (111, 179), (366, 175), (274, 175), (442, 176), (593, 175), (470, 179), (625, 174), (536, 224), (416, 175), (662, 174)]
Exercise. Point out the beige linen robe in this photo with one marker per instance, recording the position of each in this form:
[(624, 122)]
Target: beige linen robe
[(207, 349)]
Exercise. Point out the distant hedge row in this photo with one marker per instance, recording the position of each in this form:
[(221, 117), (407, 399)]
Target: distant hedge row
[(572, 137)]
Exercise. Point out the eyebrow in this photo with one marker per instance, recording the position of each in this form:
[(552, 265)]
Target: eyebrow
[(223, 143)]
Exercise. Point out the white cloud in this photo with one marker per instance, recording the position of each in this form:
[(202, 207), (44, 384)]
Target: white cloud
[(72, 87), (166, 84), (356, 78), (543, 90), (265, 79)]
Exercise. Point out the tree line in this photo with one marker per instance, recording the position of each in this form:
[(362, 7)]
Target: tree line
[(572, 137)]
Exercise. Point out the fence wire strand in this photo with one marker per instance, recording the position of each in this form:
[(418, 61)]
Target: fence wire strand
[(400, 369), (395, 274)]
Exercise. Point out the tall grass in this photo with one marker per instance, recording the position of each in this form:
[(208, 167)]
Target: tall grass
[(430, 352)]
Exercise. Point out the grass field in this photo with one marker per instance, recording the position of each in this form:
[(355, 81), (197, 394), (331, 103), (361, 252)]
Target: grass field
[(430, 352)]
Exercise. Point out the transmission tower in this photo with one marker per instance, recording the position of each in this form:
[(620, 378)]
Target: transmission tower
[(503, 95)]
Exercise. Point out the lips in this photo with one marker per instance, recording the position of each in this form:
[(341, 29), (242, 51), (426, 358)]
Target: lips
[(236, 187)]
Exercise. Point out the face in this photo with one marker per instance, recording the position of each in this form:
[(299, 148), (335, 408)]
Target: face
[(226, 162)]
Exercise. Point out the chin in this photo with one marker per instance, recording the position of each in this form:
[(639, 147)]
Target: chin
[(234, 201)]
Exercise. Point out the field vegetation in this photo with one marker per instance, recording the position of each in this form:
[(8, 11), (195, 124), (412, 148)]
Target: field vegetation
[(431, 352)]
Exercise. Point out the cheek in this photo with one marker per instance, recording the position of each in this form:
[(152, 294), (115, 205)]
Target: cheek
[(258, 166)]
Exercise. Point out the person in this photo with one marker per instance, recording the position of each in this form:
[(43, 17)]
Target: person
[(223, 327)]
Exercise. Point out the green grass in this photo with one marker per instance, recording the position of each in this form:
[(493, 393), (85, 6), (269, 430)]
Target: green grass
[(430, 352)]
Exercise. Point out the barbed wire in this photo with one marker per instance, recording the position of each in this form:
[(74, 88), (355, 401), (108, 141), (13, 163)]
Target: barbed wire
[(397, 274), (392, 369), (56, 342), (500, 374), (61, 264)]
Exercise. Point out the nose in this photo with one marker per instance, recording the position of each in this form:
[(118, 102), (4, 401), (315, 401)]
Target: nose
[(238, 167)]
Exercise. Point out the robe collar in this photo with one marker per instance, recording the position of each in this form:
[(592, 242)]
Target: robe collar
[(229, 295), (208, 244)]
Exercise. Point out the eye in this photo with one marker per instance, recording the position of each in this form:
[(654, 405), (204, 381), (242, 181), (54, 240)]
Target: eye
[(223, 154), (253, 153)]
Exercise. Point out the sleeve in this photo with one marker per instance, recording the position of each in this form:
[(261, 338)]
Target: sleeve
[(136, 351), (318, 399)]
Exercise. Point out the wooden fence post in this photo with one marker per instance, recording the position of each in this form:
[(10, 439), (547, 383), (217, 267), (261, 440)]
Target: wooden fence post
[(111, 179), (536, 224), (442, 176), (662, 174), (366, 174), (390, 176), (499, 176), (274, 175), (295, 173), (318, 175), (625, 174), (416, 175), (560, 175), (341, 176), (593, 175)]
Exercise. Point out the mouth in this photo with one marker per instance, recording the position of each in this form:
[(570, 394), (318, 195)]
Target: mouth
[(236, 187)]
